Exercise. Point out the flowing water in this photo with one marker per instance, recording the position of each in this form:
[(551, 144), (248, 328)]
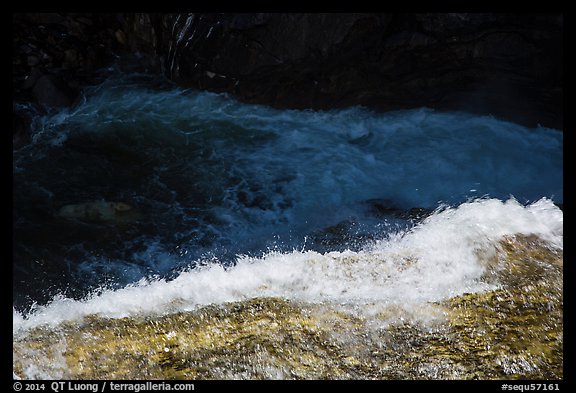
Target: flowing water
[(149, 205)]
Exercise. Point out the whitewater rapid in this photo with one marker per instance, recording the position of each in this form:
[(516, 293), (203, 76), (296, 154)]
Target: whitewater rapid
[(444, 256), (303, 237), (237, 201)]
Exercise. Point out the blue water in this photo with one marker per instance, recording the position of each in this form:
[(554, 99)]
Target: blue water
[(212, 178)]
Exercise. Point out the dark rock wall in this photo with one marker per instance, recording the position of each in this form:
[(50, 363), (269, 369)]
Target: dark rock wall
[(507, 65), (55, 55), (503, 64)]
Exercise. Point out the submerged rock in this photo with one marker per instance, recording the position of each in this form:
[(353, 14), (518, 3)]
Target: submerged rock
[(344, 235), (514, 332), (99, 211), (386, 208)]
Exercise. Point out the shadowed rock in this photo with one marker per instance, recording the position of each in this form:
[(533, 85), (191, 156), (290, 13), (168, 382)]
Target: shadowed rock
[(507, 65), (503, 64)]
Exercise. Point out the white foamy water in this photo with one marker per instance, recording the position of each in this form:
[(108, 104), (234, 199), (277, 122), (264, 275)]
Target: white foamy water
[(444, 256)]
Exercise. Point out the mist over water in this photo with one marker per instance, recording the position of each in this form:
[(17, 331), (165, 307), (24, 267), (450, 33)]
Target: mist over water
[(233, 201)]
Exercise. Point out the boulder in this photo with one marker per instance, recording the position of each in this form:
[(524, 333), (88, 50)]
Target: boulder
[(55, 55), (52, 91), (20, 130)]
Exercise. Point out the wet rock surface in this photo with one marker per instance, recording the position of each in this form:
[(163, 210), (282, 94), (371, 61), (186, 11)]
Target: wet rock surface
[(55, 56)]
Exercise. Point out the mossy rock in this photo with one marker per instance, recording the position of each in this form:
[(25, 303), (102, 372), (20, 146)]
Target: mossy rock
[(259, 338)]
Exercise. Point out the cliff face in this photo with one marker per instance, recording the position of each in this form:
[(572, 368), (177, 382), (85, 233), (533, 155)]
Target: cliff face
[(506, 65)]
